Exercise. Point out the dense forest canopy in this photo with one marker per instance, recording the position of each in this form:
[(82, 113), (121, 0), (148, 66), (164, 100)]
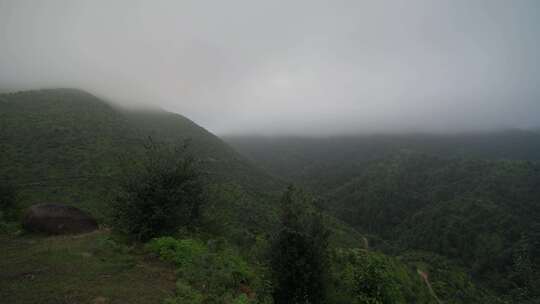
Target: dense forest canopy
[(472, 198)]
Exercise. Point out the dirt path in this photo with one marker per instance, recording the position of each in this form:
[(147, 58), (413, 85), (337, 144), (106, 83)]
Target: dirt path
[(425, 277)]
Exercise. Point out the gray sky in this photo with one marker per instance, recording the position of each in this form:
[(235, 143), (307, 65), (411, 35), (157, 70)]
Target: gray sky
[(288, 67)]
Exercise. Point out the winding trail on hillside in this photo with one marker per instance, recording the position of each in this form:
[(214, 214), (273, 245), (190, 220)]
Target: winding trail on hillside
[(422, 274), (425, 278)]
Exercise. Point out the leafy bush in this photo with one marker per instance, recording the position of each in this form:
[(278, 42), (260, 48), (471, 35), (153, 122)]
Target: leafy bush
[(180, 252), (362, 277), (233, 213), (207, 273), (159, 194)]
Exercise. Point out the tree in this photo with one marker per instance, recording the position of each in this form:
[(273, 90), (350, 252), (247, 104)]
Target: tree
[(159, 193), (299, 252)]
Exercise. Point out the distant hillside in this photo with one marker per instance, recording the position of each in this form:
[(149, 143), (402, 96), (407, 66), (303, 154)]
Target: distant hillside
[(64, 145), (320, 163), (483, 213), (474, 199)]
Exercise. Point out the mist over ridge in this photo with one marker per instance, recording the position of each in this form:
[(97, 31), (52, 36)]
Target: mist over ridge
[(307, 68), (270, 152)]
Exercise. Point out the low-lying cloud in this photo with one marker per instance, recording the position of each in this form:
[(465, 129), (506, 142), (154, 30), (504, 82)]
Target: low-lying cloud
[(288, 67)]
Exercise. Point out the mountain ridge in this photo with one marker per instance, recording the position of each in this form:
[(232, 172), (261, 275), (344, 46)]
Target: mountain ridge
[(67, 134)]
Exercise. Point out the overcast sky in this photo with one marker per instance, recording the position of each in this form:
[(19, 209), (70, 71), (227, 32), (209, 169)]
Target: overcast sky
[(288, 67)]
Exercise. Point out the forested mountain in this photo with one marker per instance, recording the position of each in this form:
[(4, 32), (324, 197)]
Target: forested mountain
[(401, 222), (68, 146), (319, 163), (473, 199), (58, 119), (65, 145), (482, 213)]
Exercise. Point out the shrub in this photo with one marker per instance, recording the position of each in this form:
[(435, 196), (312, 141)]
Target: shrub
[(207, 273), (159, 194), (359, 277), (180, 252)]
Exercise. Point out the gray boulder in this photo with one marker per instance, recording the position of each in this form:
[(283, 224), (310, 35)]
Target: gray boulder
[(57, 219)]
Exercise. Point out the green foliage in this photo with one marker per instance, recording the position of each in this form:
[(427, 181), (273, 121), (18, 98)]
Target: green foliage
[(63, 146), (524, 271), (185, 294), (451, 282), (241, 299), (469, 210), (8, 201), (9, 208), (359, 277), (323, 163), (158, 195), (181, 252), (481, 217), (469, 197), (209, 272), (107, 243), (299, 258), (241, 217)]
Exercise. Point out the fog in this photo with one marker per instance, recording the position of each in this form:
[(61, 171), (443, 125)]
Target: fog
[(288, 67)]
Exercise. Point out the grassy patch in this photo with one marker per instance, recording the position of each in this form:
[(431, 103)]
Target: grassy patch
[(89, 268)]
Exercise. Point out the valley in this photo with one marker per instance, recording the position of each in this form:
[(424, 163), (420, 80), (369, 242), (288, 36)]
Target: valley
[(464, 218)]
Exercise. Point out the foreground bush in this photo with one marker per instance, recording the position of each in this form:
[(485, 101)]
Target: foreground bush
[(359, 277), (211, 272), (159, 193)]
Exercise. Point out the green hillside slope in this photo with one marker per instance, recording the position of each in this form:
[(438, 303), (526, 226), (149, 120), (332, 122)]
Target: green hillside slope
[(474, 200), (322, 163), (484, 214), (64, 145)]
